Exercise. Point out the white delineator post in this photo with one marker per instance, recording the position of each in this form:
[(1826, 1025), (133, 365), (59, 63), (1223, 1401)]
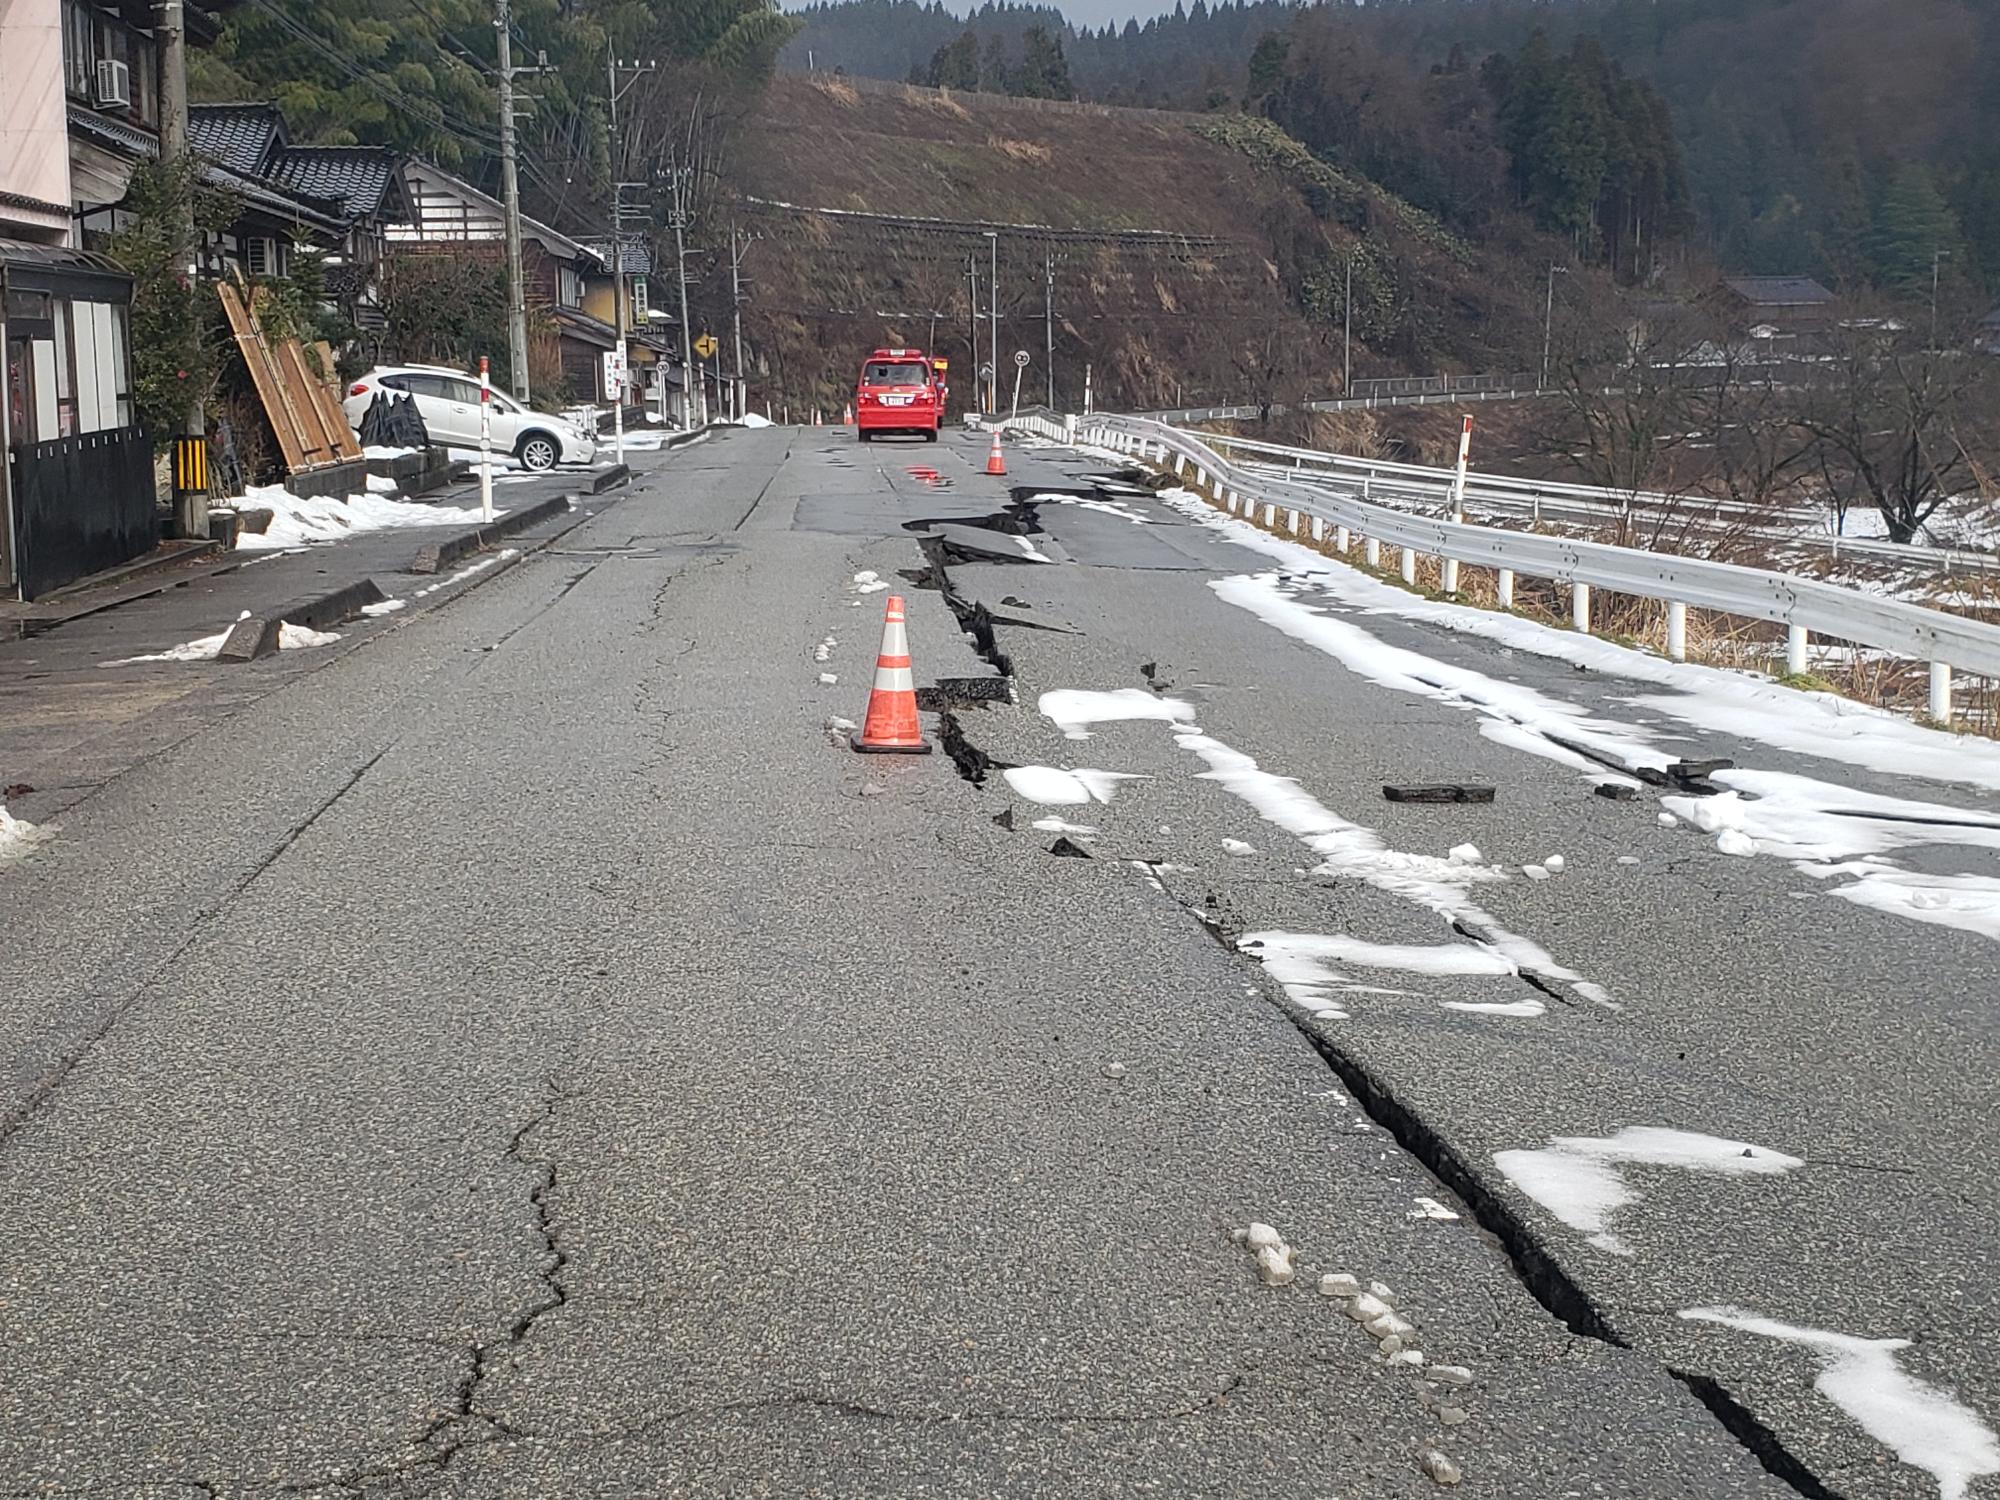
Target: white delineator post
[(485, 442), (1371, 552), (1450, 579), (1410, 565), (1941, 691), (1795, 650), (1579, 606), (1677, 630), (1506, 587)]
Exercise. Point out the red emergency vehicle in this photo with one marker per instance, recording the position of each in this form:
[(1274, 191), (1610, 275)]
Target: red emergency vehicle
[(900, 390)]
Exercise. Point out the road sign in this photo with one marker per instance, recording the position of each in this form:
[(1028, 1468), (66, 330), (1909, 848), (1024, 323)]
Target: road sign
[(705, 346), (614, 373), (1020, 359)]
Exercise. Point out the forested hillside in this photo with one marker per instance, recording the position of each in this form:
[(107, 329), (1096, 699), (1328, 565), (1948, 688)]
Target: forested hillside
[(1853, 139)]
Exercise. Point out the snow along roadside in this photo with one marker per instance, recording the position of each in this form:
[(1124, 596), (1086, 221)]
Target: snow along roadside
[(1721, 701)]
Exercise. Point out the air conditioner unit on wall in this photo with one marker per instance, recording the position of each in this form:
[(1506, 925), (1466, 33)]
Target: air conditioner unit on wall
[(114, 84)]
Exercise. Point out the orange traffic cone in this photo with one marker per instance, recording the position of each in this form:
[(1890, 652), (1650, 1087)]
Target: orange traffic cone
[(995, 463), (891, 727), (847, 414)]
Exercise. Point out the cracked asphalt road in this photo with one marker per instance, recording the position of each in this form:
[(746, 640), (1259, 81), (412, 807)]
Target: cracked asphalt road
[(524, 1057)]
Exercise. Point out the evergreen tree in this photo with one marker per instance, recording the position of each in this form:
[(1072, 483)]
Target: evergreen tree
[(1913, 224)]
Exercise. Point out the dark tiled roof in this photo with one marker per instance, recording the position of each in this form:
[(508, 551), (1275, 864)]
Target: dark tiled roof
[(1780, 291), (357, 177), (114, 133), (637, 257), (242, 137)]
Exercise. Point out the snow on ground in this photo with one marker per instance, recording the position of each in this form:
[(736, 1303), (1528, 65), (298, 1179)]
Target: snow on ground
[(1440, 885), (1075, 710), (1579, 1178), (1059, 825), (19, 838), (1085, 502), (868, 582), (382, 484), (751, 419), (1923, 1425), (298, 520), (1307, 966), (384, 607), (1743, 704), (379, 452), (204, 648), (1054, 787), (1831, 832), (1030, 551)]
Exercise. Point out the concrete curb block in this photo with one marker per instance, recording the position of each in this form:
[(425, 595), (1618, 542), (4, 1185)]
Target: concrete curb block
[(256, 636), (611, 478), (440, 555)]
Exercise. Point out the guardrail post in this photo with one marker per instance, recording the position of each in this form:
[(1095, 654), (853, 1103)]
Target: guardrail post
[(1677, 630), (1450, 579), (1506, 588), (1340, 538), (1941, 691), (1579, 606), (1795, 650), (1371, 553), (1410, 565)]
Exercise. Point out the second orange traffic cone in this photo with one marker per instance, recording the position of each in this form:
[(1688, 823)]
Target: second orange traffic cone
[(995, 462), (891, 727)]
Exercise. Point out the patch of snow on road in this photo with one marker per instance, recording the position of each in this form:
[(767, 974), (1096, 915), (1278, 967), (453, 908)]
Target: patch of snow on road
[(19, 837), (1059, 825), (1516, 716), (295, 637), (1308, 966), (1745, 704), (1054, 787), (1075, 710), (1525, 1008), (1830, 831), (1923, 1425), (298, 520), (752, 419), (868, 582), (1085, 502), (1238, 848), (1030, 551), (1352, 851), (202, 648), (382, 484), (506, 554), (1430, 1208), (1578, 1178), (384, 607)]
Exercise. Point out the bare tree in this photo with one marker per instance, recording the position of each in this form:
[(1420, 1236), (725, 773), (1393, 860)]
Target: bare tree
[(1896, 422)]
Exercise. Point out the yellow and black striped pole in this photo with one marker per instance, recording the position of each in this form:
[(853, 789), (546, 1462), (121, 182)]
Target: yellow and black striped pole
[(191, 466)]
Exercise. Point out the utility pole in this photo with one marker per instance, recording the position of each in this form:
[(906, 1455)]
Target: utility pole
[(191, 504), (993, 329), (618, 245), (972, 317), (677, 217), (1049, 322), (1549, 322), (510, 198), (736, 248)]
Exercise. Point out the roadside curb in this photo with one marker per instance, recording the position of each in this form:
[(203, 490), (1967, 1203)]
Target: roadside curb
[(440, 555), (256, 636), (611, 478)]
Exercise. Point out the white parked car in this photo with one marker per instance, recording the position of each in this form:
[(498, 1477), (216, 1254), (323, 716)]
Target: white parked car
[(449, 402)]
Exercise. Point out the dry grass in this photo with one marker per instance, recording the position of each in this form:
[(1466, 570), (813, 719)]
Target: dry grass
[(1028, 151), (837, 89), (1713, 639)]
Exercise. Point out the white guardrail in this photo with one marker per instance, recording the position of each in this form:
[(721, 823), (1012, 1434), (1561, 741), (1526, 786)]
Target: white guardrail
[(1804, 606)]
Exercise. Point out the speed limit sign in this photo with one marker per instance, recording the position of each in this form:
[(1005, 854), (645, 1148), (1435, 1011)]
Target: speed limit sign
[(1021, 359)]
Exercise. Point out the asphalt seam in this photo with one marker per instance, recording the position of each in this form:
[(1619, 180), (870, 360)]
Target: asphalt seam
[(57, 1072)]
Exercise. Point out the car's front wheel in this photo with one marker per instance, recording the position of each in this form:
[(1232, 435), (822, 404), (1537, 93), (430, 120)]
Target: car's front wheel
[(538, 452)]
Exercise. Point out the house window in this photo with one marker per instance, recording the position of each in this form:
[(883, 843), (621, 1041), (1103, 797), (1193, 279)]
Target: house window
[(146, 82), (79, 57), (569, 286), (639, 307), (264, 258)]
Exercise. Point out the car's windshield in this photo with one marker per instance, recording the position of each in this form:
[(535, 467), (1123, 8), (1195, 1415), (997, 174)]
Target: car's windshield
[(884, 372)]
